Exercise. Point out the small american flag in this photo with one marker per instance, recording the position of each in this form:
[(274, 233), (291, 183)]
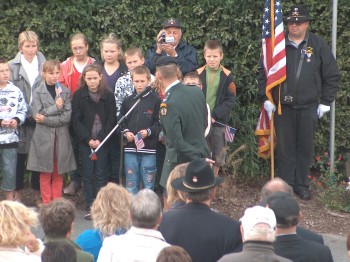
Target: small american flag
[(273, 45), (230, 133), (139, 142), (58, 89)]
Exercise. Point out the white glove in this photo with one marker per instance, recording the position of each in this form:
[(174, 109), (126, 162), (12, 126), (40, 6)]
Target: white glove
[(322, 109), (269, 108)]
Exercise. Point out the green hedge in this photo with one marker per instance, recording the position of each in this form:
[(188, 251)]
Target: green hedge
[(237, 24)]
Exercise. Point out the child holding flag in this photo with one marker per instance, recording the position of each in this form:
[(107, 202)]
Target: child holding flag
[(220, 93), (51, 151), (141, 129)]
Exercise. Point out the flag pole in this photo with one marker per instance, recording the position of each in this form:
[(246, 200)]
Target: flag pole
[(272, 126), (272, 143)]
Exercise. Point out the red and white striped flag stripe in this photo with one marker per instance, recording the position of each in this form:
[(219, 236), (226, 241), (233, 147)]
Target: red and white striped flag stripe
[(273, 45), (139, 141)]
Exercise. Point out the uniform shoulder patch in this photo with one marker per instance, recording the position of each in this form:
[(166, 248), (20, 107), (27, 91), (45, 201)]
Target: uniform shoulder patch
[(163, 109)]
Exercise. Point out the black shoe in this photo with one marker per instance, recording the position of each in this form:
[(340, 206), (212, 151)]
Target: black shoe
[(72, 188), (304, 194)]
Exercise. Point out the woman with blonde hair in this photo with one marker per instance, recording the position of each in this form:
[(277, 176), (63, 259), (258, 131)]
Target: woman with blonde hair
[(16, 220), (174, 197), (25, 74), (110, 215)]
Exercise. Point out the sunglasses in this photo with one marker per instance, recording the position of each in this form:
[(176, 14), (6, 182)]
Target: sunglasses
[(296, 23)]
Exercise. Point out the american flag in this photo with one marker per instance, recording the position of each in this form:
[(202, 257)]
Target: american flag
[(273, 45), (139, 142), (230, 133), (58, 89)]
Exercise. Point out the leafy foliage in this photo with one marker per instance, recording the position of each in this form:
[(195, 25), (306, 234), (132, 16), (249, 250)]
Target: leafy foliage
[(237, 24)]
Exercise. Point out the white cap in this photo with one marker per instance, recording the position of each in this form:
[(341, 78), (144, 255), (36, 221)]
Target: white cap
[(258, 214)]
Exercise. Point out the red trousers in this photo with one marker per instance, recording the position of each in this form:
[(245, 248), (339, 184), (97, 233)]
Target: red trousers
[(51, 184)]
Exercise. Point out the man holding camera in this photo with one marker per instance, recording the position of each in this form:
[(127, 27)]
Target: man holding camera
[(169, 43), (311, 86)]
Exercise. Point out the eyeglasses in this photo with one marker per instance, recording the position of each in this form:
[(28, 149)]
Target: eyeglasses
[(297, 23)]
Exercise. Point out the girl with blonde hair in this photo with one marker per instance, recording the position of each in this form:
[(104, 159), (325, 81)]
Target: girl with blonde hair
[(174, 197), (51, 151), (113, 67)]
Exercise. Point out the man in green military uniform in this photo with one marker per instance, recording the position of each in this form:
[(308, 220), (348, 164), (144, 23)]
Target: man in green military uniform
[(183, 119)]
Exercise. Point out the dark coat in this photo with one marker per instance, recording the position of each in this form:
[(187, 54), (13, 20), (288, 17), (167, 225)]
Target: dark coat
[(255, 251), (203, 233), (84, 111), (319, 77), (298, 249), (225, 96), (144, 116), (183, 119), (82, 256), (186, 58), (53, 130), (309, 235)]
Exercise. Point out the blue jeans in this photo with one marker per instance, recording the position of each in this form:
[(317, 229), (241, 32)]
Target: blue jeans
[(8, 162), (94, 172), (139, 167)]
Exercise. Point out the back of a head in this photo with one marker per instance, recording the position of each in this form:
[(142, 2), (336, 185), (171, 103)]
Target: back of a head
[(173, 254), (258, 224), (145, 209), (286, 209), (58, 251), (173, 194), (167, 67), (275, 185), (15, 222), (110, 210), (57, 217)]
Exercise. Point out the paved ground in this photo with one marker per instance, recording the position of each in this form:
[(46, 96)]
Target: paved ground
[(336, 243)]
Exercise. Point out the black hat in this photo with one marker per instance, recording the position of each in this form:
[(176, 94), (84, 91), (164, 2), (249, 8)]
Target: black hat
[(165, 60), (286, 209), (198, 177), (172, 22), (298, 13)]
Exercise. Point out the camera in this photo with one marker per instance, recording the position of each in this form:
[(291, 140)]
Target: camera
[(166, 39)]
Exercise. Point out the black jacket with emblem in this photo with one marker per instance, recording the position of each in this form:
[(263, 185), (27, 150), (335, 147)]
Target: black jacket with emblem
[(144, 116), (319, 77)]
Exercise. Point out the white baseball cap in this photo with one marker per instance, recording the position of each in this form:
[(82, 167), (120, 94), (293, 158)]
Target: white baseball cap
[(256, 215)]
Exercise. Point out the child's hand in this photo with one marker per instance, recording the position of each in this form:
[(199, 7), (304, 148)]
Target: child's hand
[(94, 143), (32, 243), (13, 123), (144, 133), (5, 123), (129, 136), (39, 118), (59, 103)]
